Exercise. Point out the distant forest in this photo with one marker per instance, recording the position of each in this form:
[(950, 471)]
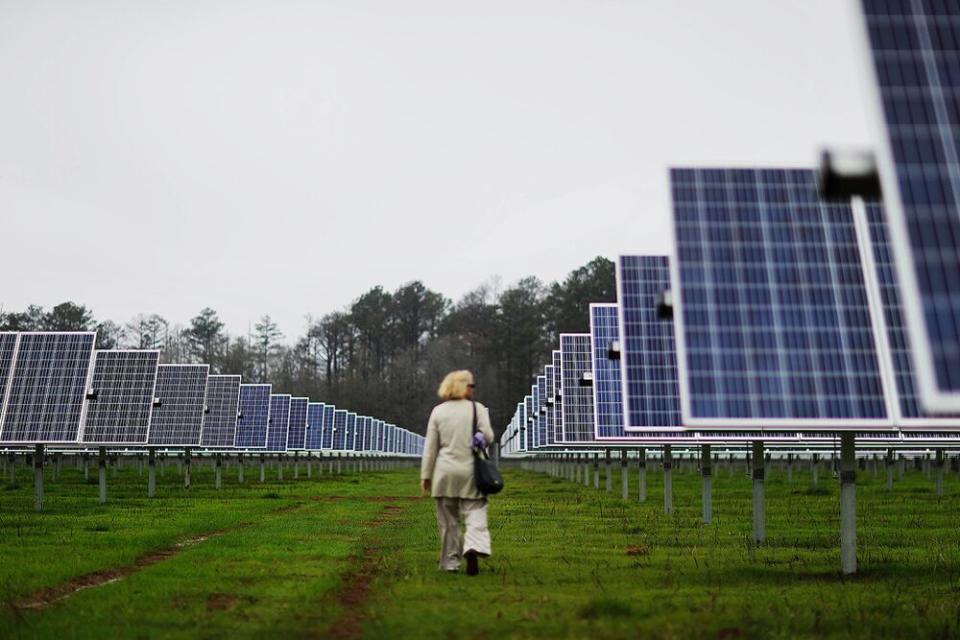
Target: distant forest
[(384, 354)]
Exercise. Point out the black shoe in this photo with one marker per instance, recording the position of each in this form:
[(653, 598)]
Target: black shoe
[(473, 564)]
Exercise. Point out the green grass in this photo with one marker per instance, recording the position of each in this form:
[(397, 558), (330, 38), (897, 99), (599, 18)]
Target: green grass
[(568, 561)]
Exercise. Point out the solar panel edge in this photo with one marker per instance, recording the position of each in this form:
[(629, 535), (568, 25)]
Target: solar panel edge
[(931, 397)]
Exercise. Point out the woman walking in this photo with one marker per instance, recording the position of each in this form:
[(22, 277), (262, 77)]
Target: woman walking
[(446, 471)]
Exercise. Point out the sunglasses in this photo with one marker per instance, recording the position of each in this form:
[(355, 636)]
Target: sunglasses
[(472, 386)]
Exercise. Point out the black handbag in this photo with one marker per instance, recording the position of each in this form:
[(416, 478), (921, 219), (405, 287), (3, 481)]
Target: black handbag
[(485, 473)]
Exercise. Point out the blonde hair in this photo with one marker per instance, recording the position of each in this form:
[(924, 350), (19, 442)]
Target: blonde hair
[(454, 386)]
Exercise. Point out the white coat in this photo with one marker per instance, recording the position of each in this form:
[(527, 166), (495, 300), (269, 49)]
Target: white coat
[(447, 456)]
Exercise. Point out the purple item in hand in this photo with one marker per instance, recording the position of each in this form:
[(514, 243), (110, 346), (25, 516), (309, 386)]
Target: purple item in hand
[(479, 441)]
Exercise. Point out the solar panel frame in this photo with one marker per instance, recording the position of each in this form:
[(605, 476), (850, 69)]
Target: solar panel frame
[(30, 376), (222, 411), (279, 422), (557, 398), (297, 427), (577, 408), (919, 115), (177, 421), (549, 394), (125, 382), (254, 416), (792, 195), (339, 429)]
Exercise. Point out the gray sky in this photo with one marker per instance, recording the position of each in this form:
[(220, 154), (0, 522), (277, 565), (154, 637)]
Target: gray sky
[(282, 157)]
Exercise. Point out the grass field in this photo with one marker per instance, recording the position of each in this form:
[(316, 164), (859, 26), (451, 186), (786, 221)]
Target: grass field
[(355, 556)]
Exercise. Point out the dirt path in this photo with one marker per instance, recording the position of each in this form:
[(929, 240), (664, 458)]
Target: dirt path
[(52, 595), (358, 583)]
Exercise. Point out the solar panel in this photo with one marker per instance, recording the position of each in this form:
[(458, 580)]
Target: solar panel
[(910, 412), (362, 425), (607, 392), (577, 408), (774, 325), (339, 429), (314, 438), (182, 394), (223, 407), (120, 398), (557, 399), (8, 346), (914, 49), (540, 396), (329, 411), (297, 429), (254, 416), (549, 393), (47, 388), (650, 387), (350, 434), (279, 422)]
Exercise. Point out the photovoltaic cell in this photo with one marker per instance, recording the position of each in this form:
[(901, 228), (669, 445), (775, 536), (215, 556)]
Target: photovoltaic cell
[(47, 389), (650, 386), (223, 407), (773, 316), (297, 431), (915, 46), (254, 416), (314, 438), (607, 391), (577, 409), (121, 399), (182, 393)]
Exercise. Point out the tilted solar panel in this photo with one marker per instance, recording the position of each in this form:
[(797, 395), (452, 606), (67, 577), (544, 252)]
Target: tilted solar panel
[(223, 408), (182, 394), (8, 345), (914, 46), (650, 386), (607, 391), (279, 422), (46, 393), (329, 411), (774, 327), (254, 416), (314, 437), (550, 391), (297, 425), (577, 408), (540, 404), (120, 398), (557, 399), (339, 429)]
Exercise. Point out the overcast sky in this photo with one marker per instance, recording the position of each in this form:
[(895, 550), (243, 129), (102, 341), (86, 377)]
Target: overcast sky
[(283, 157)]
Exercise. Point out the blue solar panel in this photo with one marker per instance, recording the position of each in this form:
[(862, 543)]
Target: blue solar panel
[(279, 422), (528, 422), (540, 406), (350, 434), (550, 391), (650, 386), (914, 47), (577, 407), (314, 437), (339, 429), (557, 400), (607, 392), (8, 345), (223, 406), (775, 326), (328, 419), (392, 438), (254, 416), (121, 395), (363, 434), (182, 394), (911, 412), (47, 388), (297, 429)]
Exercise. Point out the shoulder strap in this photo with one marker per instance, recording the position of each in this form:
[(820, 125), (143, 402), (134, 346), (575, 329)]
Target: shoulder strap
[(474, 403)]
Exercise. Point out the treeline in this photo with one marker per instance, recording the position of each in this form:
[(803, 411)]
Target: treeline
[(385, 353)]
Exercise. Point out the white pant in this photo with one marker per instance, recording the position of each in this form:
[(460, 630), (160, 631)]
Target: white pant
[(452, 544)]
